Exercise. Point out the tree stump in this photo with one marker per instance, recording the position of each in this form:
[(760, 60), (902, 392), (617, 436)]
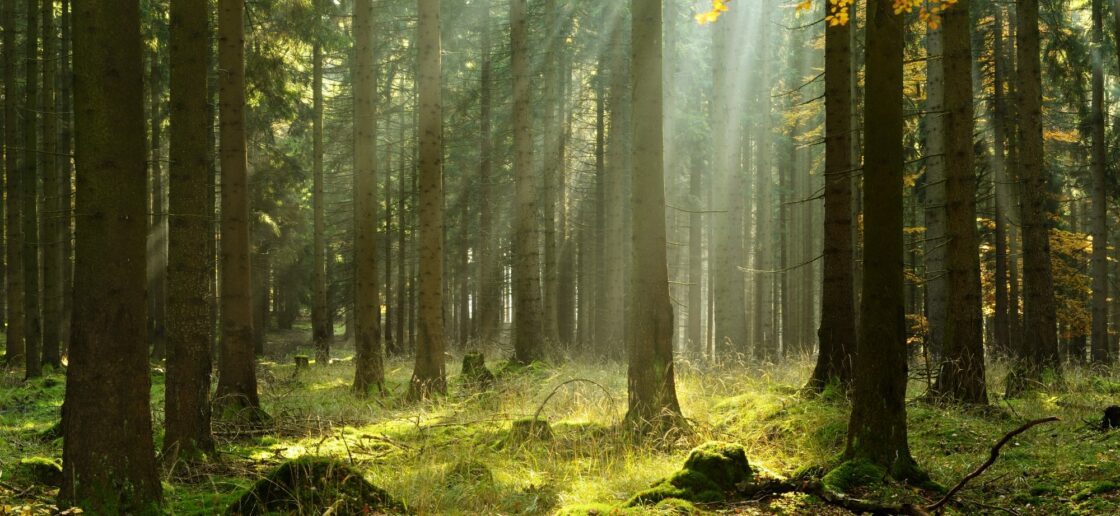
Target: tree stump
[(527, 430), (475, 374), (302, 361), (1111, 418)]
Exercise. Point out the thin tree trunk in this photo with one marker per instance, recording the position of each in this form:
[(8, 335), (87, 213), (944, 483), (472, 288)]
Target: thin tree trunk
[(489, 268), (15, 349), (108, 457), (189, 329), (48, 163), (157, 233), (429, 377), (65, 191), (321, 325), (1001, 319), (837, 334), (33, 337), (237, 375), (1100, 342), (936, 278), (402, 269)]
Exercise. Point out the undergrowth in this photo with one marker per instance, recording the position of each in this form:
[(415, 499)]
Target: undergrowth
[(451, 455)]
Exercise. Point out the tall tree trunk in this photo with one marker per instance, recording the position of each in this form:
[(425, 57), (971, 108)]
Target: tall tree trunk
[(489, 268), (237, 375), (551, 170), (368, 363), (837, 334), (29, 185), (652, 392), (936, 279), (429, 376), (1040, 345), (108, 457), (65, 192), (877, 428), (157, 232), (1102, 352), (321, 325), (598, 320), (1001, 318), (14, 288), (48, 163), (402, 222), (189, 329), (961, 377), (528, 321)]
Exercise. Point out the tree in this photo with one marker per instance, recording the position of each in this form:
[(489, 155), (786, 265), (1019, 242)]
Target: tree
[(652, 391), (13, 226), (1039, 349), (29, 198), (52, 210), (877, 427), (369, 371), (837, 334), (429, 377), (1101, 345), (489, 284), (935, 278), (189, 271), (237, 376), (322, 330), (108, 457), (157, 235), (527, 309), (961, 376)]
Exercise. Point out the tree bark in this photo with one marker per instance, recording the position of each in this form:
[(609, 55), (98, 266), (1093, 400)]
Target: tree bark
[(108, 457), (961, 377), (429, 376), (877, 428), (528, 309), (237, 376), (837, 334), (1040, 346), (189, 329), (935, 243), (29, 198), (652, 392)]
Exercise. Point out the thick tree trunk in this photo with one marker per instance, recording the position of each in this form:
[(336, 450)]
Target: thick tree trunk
[(14, 288), (108, 457), (237, 375), (652, 392), (837, 334), (429, 376), (961, 377), (48, 163), (29, 198), (189, 329), (368, 362), (527, 312), (321, 325), (1102, 352), (877, 428), (1040, 346)]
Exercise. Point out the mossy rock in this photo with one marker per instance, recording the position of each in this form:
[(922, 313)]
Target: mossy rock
[(685, 484), (723, 463), (475, 375), (854, 473), (527, 430), (313, 486), (40, 470), (469, 472)]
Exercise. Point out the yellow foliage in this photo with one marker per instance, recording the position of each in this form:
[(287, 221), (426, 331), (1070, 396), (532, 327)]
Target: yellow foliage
[(718, 7)]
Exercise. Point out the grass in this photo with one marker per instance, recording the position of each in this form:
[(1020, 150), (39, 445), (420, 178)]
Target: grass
[(449, 456)]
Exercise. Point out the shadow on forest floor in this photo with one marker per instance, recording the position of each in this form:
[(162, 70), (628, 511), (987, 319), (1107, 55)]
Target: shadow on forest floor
[(419, 452)]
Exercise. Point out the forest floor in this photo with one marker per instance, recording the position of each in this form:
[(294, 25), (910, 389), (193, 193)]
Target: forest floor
[(411, 450)]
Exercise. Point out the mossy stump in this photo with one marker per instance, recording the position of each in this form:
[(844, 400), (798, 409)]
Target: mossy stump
[(528, 430), (41, 470), (315, 486), (475, 374), (710, 472), (1111, 418), (302, 361), (469, 472)]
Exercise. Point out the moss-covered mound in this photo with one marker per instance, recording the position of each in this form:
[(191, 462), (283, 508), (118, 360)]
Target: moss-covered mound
[(527, 430), (469, 472), (667, 507), (711, 471), (314, 486), (40, 470), (475, 375)]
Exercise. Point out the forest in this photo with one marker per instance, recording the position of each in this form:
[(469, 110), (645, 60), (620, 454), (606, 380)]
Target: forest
[(571, 257)]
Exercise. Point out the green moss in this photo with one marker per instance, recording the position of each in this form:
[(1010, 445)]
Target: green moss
[(469, 472), (40, 470), (1043, 489), (1094, 488), (854, 473), (676, 506), (311, 485), (725, 464), (592, 509), (685, 484)]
